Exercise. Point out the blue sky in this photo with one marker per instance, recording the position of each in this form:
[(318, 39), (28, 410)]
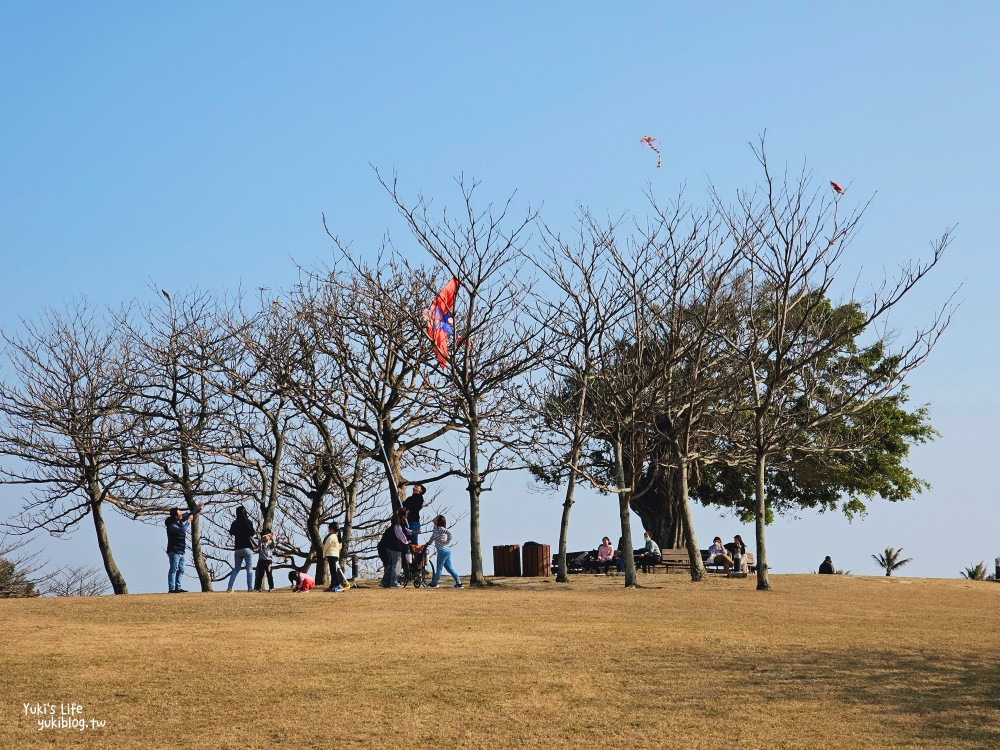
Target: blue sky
[(196, 145)]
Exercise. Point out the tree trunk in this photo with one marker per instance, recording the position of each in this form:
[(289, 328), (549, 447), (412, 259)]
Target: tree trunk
[(760, 516), (687, 521), (624, 514), (657, 510), (574, 457), (114, 575), (475, 490), (313, 523), (392, 462), (191, 500), (197, 554), (349, 508), (563, 575), (267, 517)]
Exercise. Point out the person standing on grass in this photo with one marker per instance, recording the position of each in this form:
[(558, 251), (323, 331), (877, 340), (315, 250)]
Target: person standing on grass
[(243, 532), (395, 543), (264, 559), (331, 551), (177, 545), (442, 540), (413, 504)]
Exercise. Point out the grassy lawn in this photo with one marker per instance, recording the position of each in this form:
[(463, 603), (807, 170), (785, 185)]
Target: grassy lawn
[(820, 662)]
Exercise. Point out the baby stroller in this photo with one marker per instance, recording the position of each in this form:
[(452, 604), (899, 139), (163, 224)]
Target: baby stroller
[(418, 571)]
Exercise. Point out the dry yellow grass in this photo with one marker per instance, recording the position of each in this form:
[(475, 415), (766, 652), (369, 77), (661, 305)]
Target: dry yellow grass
[(820, 662)]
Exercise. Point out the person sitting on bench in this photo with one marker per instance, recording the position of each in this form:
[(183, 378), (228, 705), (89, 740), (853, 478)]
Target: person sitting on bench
[(605, 555), (650, 556), (738, 551), (717, 555)]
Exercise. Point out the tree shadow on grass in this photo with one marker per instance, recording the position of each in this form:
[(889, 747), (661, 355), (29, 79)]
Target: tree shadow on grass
[(922, 695)]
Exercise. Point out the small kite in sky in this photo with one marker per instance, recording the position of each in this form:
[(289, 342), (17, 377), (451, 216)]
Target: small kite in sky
[(439, 320), (648, 140), (836, 188)]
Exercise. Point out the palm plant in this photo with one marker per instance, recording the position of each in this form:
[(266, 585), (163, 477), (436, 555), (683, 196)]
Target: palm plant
[(976, 572), (890, 560)]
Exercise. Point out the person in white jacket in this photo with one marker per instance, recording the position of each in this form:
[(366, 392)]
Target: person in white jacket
[(331, 551)]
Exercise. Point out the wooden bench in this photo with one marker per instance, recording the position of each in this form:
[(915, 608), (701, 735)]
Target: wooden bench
[(751, 563), (673, 560), (677, 560), (574, 567)]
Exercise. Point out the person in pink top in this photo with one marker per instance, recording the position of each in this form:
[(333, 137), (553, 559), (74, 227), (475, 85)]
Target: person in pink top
[(605, 555), (301, 581)]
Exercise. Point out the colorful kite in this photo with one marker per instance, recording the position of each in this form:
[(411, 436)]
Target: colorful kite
[(439, 321), (648, 140), (837, 188)]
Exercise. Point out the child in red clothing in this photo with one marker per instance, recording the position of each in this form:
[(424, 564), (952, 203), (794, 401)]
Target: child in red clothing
[(301, 581)]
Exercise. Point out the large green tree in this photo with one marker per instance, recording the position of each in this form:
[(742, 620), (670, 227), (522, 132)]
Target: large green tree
[(810, 370)]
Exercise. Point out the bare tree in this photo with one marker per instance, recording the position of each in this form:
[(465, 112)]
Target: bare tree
[(327, 476), (76, 580), (254, 376), (803, 372), (583, 308), (373, 360), (626, 390), (495, 345), (180, 420), (692, 293), (67, 427)]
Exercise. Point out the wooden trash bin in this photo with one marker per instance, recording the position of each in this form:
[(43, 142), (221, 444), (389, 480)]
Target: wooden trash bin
[(536, 560), (507, 560)]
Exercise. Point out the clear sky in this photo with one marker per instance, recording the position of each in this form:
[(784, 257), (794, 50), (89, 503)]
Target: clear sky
[(196, 145)]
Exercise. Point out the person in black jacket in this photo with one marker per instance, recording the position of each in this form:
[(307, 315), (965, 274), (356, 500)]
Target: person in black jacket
[(391, 547), (265, 553), (176, 545), (413, 505), (826, 566), (243, 533)]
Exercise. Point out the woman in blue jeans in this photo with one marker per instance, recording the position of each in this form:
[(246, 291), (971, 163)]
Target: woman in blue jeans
[(442, 539), (243, 532)]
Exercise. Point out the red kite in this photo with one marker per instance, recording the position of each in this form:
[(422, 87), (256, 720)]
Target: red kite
[(648, 140), (439, 321)]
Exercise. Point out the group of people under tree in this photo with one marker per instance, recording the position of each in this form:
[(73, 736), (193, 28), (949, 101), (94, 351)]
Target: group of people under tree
[(647, 558), (246, 542), (399, 542), (701, 354), (400, 545)]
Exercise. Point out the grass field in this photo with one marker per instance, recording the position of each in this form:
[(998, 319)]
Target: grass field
[(820, 662)]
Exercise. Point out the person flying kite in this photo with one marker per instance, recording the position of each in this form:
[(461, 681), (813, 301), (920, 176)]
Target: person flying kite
[(439, 321), (836, 188), (648, 140)]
